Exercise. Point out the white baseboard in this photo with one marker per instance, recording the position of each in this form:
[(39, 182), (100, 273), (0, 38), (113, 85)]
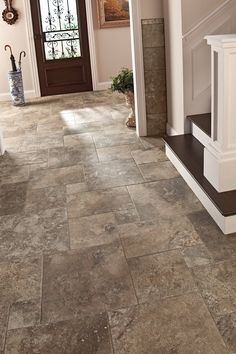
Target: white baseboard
[(4, 97), (100, 86), (226, 224), (171, 131)]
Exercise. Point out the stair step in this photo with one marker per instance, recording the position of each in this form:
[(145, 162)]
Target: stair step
[(190, 152), (202, 121)]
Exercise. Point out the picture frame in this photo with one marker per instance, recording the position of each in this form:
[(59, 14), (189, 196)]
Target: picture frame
[(113, 13)]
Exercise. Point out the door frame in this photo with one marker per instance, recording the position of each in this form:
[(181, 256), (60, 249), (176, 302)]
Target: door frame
[(137, 57)]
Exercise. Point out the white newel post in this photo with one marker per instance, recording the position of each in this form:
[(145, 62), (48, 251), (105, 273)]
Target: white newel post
[(220, 154)]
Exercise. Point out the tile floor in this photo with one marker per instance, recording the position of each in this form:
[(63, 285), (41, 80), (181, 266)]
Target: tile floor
[(103, 247)]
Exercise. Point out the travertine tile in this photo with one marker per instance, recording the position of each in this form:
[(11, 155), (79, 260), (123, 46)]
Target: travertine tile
[(76, 188), (159, 276), (90, 280), (226, 325), (156, 236), (70, 156), (24, 235), (24, 158), (126, 216), (93, 231), (220, 247), (12, 198), (78, 140), (98, 202), (217, 284), (56, 176), (105, 175), (148, 156), (167, 197), (84, 335), (108, 140), (4, 313), (117, 152), (176, 325), (158, 170), (45, 198), (20, 280), (13, 174), (197, 255), (24, 314)]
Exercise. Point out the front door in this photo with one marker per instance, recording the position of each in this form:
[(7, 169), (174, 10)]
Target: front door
[(61, 43)]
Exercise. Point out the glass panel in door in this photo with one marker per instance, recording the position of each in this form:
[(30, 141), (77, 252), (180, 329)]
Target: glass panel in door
[(60, 25)]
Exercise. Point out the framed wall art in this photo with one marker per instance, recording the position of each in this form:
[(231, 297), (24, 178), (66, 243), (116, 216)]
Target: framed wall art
[(113, 13)]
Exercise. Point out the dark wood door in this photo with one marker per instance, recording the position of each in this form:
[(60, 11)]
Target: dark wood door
[(62, 49)]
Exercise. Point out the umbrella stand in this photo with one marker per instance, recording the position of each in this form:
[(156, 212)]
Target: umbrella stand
[(16, 87)]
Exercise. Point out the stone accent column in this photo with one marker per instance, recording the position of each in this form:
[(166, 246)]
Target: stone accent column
[(155, 75), (220, 153)]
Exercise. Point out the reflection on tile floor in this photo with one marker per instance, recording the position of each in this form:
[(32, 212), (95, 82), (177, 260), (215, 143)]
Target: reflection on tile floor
[(103, 247)]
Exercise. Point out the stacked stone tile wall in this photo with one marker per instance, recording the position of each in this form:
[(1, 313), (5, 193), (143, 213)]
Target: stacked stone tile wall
[(155, 75)]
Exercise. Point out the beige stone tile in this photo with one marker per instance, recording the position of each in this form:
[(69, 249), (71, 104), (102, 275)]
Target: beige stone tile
[(12, 198), (154, 59), (158, 170), (93, 231), (226, 325), (153, 35), (176, 325), (217, 284), (93, 279), (155, 200), (161, 275), (20, 280), (106, 175), (150, 142), (76, 188), (4, 313), (143, 238), (107, 140), (24, 314), (70, 156), (14, 174), (44, 198), (126, 216), (98, 202), (148, 156), (156, 124), (56, 176), (220, 247), (78, 140), (196, 255), (117, 152), (28, 235), (88, 334), (24, 158)]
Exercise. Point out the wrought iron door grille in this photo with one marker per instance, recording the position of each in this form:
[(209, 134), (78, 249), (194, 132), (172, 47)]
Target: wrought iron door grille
[(60, 26)]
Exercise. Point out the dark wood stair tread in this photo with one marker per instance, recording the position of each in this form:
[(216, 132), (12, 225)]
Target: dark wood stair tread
[(190, 152), (202, 121)]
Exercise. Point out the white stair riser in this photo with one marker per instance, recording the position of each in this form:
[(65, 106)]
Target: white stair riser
[(199, 134)]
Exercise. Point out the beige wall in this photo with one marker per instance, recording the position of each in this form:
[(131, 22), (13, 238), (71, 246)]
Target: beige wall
[(113, 48), (15, 36), (151, 9), (195, 10)]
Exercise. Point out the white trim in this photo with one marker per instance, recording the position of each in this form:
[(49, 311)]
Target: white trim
[(174, 64), (7, 97), (200, 135), (206, 19), (170, 130), (92, 44), (226, 224), (103, 86), (138, 67), (32, 52)]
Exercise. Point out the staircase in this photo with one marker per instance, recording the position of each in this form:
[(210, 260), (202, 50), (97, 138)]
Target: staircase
[(206, 158)]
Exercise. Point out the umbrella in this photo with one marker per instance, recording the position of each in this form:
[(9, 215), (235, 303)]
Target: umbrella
[(12, 58), (24, 54)]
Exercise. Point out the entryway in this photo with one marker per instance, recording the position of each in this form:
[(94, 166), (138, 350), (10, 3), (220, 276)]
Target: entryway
[(62, 47)]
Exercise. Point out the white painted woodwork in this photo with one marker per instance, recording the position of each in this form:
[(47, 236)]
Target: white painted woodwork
[(2, 148), (220, 154), (197, 57), (174, 64), (226, 224), (200, 135)]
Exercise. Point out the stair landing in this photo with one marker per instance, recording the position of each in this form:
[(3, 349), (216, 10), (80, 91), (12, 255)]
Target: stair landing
[(202, 121)]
